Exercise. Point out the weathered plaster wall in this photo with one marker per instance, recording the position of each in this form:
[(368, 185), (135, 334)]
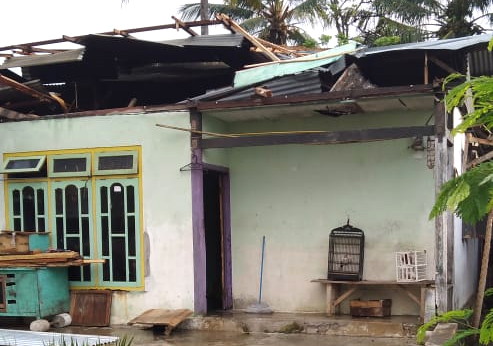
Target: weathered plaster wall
[(166, 194), (296, 194)]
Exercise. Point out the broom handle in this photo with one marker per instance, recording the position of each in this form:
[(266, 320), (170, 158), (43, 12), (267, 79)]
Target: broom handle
[(261, 270)]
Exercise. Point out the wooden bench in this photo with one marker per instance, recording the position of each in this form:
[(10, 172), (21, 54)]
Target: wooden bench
[(336, 295)]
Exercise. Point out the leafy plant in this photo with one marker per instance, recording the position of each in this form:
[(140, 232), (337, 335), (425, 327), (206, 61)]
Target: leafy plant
[(122, 341), (466, 330)]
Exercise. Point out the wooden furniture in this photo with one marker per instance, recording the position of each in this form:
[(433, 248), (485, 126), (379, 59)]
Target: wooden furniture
[(338, 291), (33, 292)]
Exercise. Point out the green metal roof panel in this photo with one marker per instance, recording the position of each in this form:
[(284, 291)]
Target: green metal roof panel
[(266, 72)]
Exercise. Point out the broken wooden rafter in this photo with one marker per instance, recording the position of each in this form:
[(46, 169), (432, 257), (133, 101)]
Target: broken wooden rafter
[(184, 26), (441, 64), (229, 23), (475, 162), (280, 48), (262, 92), (473, 139), (130, 31), (122, 33), (28, 50), (32, 92)]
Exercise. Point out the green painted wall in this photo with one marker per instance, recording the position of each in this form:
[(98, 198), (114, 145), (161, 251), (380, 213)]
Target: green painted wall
[(296, 194), (167, 215)]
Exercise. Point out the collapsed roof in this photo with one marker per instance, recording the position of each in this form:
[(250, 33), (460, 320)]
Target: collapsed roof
[(119, 71)]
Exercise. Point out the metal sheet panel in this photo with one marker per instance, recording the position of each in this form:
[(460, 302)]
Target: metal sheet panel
[(448, 44), (255, 75), (46, 59)]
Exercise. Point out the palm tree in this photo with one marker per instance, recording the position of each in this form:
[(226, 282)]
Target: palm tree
[(442, 18), (277, 21)]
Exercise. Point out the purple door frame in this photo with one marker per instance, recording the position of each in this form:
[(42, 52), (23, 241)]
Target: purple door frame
[(198, 226)]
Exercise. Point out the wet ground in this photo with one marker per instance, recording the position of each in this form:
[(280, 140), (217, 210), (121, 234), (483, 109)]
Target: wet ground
[(155, 337)]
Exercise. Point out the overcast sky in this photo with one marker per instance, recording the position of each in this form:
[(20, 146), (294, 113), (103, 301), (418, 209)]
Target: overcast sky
[(25, 21)]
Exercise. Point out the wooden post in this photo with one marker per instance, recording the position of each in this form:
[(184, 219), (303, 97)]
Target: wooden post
[(442, 236), (199, 255)]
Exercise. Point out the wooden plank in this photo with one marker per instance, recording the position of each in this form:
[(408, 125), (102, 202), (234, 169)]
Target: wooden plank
[(480, 159), (184, 26), (336, 137), (162, 317), (90, 307), (376, 282), (135, 30), (228, 22)]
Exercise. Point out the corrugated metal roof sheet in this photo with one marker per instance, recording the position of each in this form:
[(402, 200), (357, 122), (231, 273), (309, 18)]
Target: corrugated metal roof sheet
[(255, 75), (481, 63), (224, 40), (29, 338), (448, 44), (47, 59), (307, 82)]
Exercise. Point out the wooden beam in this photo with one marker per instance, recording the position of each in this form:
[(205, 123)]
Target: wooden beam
[(32, 92), (228, 22), (485, 157), (473, 139), (280, 48), (179, 24), (426, 69), (130, 31), (441, 64), (337, 137)]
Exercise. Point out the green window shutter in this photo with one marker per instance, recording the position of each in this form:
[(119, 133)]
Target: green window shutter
[(28, 206), (115, 162), (71, 220), (118, 231), (22, 164), (70, 165)]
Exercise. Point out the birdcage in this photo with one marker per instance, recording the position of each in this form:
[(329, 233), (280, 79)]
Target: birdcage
[(410, 265), (346, 253)]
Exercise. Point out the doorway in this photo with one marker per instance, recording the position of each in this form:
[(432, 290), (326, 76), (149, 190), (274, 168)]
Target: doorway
[(217, 240)]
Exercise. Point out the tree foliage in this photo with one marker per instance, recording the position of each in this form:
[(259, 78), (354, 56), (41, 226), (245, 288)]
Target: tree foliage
[(465, 329), (278, 21)]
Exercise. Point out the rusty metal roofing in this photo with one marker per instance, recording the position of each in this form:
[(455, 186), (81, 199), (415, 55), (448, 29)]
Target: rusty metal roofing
[(29, 338)]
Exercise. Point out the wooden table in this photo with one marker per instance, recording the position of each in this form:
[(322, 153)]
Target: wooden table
[(336, 295)]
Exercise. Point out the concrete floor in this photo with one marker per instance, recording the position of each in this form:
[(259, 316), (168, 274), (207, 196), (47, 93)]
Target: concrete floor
[(240, 329), (179, 337)]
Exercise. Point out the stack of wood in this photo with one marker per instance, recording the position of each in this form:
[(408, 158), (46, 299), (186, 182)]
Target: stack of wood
[(45, 259)]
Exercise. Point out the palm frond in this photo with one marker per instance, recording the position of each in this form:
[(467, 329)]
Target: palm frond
[(192, 11), (459, 316), (486, 330), (309, 11), (468, 195)]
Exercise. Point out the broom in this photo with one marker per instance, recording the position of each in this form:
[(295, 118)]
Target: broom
[(259, 307)]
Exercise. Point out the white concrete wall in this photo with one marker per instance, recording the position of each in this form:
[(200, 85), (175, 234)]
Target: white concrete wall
[(166, 193), (296, 194), (466, 251)]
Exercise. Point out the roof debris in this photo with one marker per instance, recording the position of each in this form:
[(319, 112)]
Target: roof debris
[(115, 70)]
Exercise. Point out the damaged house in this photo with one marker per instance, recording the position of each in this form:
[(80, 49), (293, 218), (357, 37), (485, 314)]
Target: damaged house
[(172, 160)]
